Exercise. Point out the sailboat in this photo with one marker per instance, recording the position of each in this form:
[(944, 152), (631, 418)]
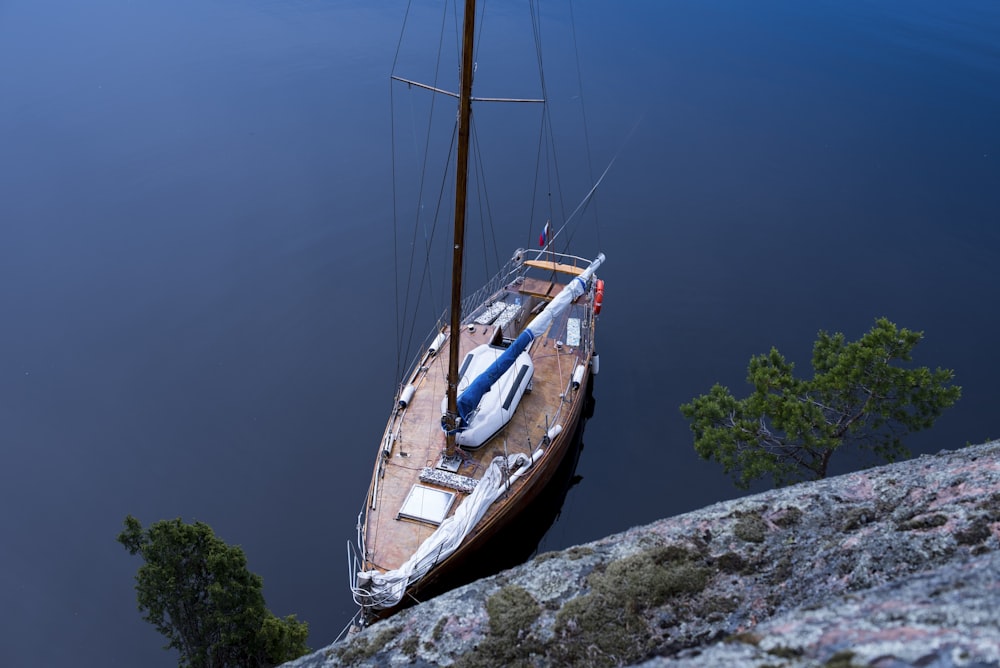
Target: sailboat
[(486, 414)]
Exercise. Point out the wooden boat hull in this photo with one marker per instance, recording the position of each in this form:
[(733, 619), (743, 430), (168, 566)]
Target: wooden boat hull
[(544, 426), (508, 542)]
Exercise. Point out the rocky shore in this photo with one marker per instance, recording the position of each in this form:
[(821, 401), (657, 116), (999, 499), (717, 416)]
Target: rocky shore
[(893, 566)]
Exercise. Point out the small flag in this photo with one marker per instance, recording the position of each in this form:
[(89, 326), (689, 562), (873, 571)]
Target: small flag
[(546, 235)]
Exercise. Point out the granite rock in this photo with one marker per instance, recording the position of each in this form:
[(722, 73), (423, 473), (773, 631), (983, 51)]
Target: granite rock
[(892, 566)]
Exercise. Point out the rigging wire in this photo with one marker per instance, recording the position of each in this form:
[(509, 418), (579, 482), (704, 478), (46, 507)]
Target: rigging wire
[(583, 114), (538, 169), (590, 194), (480, 24), (485, 210), (557, 206), (395, 198), (395, 230), (402, 31), (409, 293), (426, 277), (479, 172), (405, 333), (536, 31)]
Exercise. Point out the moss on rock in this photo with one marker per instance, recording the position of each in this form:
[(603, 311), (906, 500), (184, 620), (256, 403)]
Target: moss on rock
[(606, 627), (362, 649), (410, 646), (789, 517), (923, 523), (751, 528), (855, 518), (977, 532), (842, 659), (511, 640), (731, 562)]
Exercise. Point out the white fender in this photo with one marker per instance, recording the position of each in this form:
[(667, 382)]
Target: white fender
[(406, 395), (437, 343)]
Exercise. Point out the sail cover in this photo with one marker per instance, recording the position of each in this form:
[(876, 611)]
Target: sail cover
[(493, 402), (473, 394), (469, 400)]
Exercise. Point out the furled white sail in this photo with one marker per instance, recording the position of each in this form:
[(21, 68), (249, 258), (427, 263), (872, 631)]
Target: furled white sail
[(380, 590)]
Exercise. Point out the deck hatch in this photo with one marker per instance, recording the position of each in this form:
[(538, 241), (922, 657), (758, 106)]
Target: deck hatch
[(426, 504)]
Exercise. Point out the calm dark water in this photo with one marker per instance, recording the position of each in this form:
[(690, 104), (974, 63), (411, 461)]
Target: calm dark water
[(195, 246)]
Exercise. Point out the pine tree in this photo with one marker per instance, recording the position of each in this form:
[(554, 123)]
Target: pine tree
[(863, 394), (197, 591)]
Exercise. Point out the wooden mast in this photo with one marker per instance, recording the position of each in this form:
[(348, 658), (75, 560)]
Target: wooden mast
[(450, 420)]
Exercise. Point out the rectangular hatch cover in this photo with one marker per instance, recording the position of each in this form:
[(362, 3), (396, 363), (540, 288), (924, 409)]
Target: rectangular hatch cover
[(427, 504)]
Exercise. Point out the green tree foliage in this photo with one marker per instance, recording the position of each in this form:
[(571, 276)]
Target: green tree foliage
[(197, 591), (862, 394)]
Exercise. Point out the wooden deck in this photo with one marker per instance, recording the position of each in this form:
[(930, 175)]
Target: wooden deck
[(414, 440)]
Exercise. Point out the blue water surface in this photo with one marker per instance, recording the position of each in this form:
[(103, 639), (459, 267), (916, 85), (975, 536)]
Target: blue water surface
[(196, 293)]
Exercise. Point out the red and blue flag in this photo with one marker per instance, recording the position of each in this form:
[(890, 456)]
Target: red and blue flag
[(546, 235)]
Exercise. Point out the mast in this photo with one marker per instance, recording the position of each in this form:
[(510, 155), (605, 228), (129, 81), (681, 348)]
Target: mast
[(449, 421)]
